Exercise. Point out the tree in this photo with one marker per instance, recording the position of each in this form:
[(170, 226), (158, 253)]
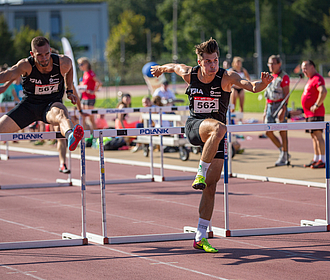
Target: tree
[(6, 43), (22, 42)]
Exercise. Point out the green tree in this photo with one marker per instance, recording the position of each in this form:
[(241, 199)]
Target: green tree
[(6, 43), (126, 41), (22, 42)]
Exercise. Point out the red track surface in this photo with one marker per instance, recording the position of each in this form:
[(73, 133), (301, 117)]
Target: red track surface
[(146, 208)]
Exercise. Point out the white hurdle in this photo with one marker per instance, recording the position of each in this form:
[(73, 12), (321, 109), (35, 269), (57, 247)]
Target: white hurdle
[(37, 136), (104, 239), (305, 226), (139, 178), (67, 238)]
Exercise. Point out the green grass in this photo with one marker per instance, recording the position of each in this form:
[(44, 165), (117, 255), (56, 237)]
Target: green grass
[(251, 104)]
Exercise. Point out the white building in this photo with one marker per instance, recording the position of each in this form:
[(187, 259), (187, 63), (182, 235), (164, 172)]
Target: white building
[(87, 22)]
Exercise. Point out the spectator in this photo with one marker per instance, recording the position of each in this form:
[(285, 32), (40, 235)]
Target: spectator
[(167, 96), (121, 121), (101, 122), (237, 91), (146, 102), (92, 84), (312, 103), (275, 93)]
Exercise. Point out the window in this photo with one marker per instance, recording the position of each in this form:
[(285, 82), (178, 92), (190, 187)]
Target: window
[(26, 19), (55, 24)]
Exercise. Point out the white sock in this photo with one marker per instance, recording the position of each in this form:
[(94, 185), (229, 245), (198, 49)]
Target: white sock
[(202, 168), (316, 158), (322, 157), (201, 229)]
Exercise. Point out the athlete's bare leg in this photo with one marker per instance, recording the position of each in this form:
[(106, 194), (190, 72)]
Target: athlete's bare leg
[(58, 115), (275, 140), (318, 143), (208, 197), (7, 125), (211, 132), (241, 97), (284, 136)]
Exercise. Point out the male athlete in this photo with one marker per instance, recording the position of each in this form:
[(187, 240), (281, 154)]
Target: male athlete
[(44, 75), (209, 89)]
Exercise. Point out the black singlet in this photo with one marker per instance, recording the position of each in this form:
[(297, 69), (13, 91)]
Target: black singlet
[(207, 100), (43, 88)]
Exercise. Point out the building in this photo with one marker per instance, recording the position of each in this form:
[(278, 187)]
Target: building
[(86, 22)]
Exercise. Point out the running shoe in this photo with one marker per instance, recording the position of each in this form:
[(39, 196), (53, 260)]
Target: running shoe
[(319, 164), (199, 183), (75, 137), (64, 169), (283, 159), (310, 164), (204, 245)]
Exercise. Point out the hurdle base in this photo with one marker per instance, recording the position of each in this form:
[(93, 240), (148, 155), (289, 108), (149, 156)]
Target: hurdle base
[(77, 182), (186, 229), (65, 183), (268, 231), (99, 239), (316, 222), (4, 157), (41, 244), (71, 236)]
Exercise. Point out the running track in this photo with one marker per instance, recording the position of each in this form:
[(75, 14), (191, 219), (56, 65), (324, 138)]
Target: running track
[(43, 214)]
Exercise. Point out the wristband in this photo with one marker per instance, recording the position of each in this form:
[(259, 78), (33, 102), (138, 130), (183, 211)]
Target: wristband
[(69, 91), (316, 105)]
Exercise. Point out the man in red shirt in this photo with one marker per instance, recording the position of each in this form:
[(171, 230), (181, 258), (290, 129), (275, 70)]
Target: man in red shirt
[(275, 93), (312, 103)]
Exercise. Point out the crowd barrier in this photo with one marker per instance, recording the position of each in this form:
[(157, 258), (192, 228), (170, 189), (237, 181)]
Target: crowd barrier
[(67, 239)]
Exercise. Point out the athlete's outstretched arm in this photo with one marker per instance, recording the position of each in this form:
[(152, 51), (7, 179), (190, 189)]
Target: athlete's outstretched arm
[(180, 69), (256, 86), (21, 68)]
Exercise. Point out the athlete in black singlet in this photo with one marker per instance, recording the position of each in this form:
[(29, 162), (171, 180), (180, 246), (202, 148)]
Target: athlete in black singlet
[(44, 75), (209, 91)]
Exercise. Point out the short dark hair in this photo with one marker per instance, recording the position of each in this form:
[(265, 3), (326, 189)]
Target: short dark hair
[(39, 42), (210, 46), (310, 62)]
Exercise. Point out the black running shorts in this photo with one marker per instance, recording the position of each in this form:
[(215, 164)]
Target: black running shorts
[(26, 112), (192, 133)]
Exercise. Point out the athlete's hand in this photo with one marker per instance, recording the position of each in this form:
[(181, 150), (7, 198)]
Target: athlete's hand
[(156, 71), (266, 78), (73, 98)]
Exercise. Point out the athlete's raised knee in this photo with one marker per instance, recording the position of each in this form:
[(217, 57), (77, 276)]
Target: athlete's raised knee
[(219, 130)]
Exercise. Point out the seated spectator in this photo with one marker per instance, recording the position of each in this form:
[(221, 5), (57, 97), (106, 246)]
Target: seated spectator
[(167, 96), (101, 122), (121, 121)]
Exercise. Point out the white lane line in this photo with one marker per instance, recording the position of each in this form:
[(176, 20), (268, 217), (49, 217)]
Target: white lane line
[(26, 273), (170, 264)]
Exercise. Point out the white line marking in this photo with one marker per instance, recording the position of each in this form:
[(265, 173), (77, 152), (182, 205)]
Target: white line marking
[(27, 273), (153, 261)]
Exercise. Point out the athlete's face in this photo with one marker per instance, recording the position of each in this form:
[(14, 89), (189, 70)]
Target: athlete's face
[(209, 63), (41, 55)]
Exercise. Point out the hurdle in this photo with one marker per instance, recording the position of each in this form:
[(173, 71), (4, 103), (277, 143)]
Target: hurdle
[(139, 178), (305, 226), (104, 239), (42, 136), (67, 238)]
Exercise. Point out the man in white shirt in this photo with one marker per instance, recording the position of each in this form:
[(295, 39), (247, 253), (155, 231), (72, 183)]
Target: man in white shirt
[(164, 93)]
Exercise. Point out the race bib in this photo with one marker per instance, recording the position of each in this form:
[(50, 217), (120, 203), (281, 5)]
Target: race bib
[(205, 104), (45, 89)]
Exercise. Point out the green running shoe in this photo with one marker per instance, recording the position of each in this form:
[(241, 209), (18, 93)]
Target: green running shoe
[(199, 183), (204, 245)]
